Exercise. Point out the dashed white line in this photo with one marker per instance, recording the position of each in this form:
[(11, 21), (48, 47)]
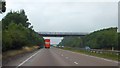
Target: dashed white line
[(75, 62), (27, 59), (59, 49), (66, 57), (73, 52), (96, 57), (101, 58)]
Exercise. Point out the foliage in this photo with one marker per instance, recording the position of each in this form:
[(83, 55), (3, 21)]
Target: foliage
[(71, 42), (17, 17), (119, 41), (101, 39), (17, 33)]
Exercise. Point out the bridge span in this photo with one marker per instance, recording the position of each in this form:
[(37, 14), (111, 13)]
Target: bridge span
[(61, 34)]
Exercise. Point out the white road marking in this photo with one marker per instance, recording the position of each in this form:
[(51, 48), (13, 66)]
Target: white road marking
[(73, 52), (61, 54), (66, 57), (100, 58), (27, 59), (95, 57), (59, 49), (75, 62)]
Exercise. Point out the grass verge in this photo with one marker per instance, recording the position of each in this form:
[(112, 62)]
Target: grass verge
[(102, 55), (12, 53)]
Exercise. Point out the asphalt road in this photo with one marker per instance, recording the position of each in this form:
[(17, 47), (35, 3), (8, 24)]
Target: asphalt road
[(59, 57)]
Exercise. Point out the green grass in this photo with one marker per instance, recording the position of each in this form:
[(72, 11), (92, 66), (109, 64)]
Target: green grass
[(102, 55)]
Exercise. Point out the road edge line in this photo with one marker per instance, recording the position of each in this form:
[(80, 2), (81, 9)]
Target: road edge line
[(28, 59)]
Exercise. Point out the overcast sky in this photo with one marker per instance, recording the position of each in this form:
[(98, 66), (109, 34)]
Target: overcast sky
[(68, 15)]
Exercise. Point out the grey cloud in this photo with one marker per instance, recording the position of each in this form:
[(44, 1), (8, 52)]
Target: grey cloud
[(68, 15)]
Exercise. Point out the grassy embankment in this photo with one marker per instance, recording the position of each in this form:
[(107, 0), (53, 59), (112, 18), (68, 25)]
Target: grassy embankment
[(12, 53), (102, 55)]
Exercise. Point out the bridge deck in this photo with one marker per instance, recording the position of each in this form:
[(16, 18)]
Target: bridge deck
[(61, 34)]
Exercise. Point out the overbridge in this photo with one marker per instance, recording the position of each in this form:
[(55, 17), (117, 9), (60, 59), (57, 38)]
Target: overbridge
[(61, 34)]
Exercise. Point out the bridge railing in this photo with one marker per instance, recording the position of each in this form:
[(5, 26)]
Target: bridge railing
[(63, 33)]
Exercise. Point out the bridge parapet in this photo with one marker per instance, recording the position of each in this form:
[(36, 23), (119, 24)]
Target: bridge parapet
[(62, 34)]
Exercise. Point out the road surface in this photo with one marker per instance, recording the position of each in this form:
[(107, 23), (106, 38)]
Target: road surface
[(59, 57)]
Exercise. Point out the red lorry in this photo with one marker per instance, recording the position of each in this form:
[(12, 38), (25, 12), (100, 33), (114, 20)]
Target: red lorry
[(47, 43)]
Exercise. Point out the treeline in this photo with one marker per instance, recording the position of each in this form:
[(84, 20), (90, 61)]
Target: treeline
[(17, 32), (71, 41), (101, 39), (118, 41)]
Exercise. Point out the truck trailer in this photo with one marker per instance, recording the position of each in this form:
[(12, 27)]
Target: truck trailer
[(47, 43)]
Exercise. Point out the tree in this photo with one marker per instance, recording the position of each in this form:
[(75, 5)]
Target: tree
[(100, 39), (17, 33), (16, 17), (71, 42)]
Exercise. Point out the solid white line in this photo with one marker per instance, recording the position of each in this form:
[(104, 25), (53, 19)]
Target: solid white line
[(75, 62), (27, 59)]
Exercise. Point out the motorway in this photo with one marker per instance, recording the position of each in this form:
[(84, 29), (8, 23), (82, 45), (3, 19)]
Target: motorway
[(59, 57)]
